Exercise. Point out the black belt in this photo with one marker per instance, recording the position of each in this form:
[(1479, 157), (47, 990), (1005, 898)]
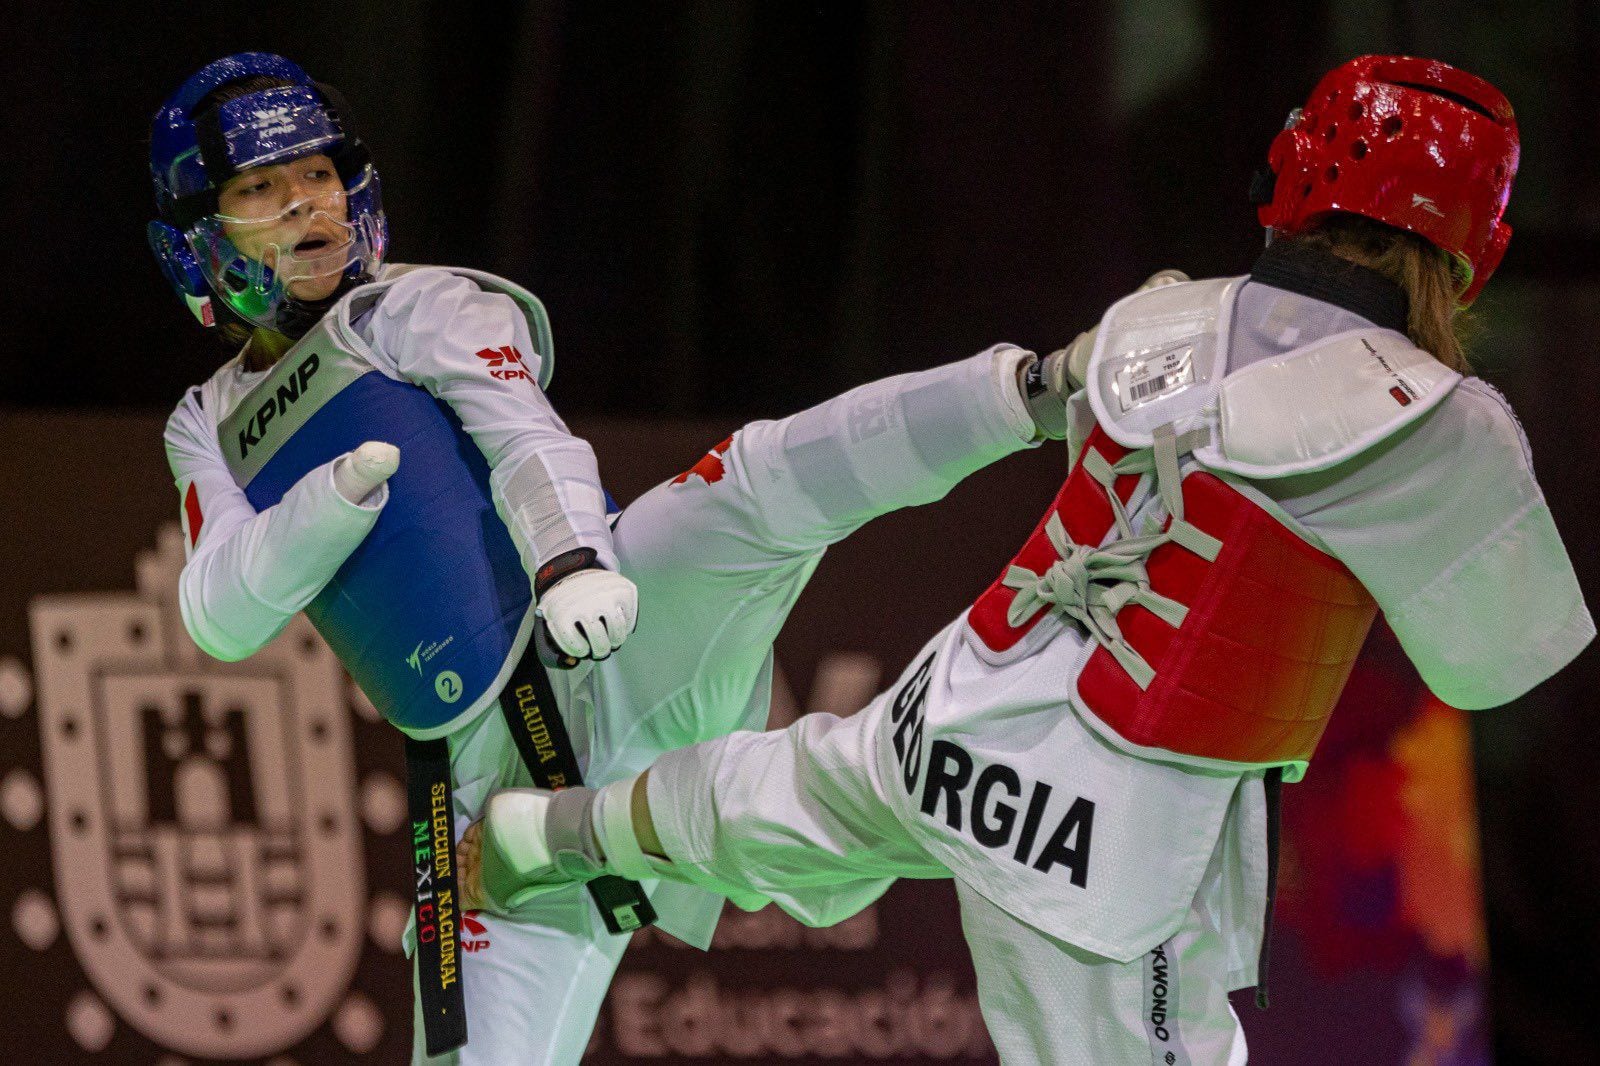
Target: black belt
[(1273, 783), (438, 907), (528, 703)]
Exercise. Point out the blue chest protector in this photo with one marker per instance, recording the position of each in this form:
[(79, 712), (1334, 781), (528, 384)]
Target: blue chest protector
[(433, 609)]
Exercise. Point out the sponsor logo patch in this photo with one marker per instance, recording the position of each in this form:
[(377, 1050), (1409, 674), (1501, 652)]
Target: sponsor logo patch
[(504, 363), (1401, 390), (277, 403), (477, 934), (273, 121)]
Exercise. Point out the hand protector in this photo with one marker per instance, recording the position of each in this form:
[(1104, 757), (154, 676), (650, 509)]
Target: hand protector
[(358, 474), (589, 613)]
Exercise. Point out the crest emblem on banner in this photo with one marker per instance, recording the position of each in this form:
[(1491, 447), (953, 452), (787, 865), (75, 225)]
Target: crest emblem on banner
[(205, 840)]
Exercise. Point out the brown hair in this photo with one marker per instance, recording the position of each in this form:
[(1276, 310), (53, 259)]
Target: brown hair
[(1431, 278), (265, 346)]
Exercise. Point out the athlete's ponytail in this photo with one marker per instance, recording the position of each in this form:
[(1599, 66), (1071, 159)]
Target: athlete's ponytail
[(1431, 279)]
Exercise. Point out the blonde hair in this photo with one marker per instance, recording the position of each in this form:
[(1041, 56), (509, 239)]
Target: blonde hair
[(264, 346), (1430, 277)]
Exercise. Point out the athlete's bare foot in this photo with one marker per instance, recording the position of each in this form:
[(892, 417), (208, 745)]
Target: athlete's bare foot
[(469, 869)]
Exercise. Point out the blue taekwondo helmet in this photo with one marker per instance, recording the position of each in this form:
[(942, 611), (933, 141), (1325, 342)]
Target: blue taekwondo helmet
[(194, 149)]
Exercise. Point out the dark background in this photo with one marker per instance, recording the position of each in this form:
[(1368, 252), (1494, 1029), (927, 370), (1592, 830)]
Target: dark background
[(733, 209)]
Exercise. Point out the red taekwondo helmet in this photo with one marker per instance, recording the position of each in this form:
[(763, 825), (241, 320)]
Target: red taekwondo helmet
[(1413, 143)]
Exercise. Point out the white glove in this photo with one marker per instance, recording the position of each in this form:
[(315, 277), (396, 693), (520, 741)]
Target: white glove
[(358, 474), (590, 612)]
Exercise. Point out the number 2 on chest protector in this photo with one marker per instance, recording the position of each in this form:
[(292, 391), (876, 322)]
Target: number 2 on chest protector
[(1157, 374)]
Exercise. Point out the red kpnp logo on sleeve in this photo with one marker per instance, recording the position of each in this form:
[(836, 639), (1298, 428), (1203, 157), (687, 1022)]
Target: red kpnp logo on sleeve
[(192, 518), (504, 362), (710, 468)]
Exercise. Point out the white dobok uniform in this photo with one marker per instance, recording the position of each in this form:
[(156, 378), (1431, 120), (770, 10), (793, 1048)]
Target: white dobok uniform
[(719, 554), (1112, 891)]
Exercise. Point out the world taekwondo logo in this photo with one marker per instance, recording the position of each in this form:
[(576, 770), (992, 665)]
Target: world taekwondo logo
[(205, 839), (447, 684)]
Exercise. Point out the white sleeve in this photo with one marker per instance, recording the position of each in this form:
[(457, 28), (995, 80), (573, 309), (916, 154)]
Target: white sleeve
[(1446, 527), (247, 573), (472, 349)]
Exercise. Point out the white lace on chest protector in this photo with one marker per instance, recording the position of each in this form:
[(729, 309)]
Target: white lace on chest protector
[(1161, 360)]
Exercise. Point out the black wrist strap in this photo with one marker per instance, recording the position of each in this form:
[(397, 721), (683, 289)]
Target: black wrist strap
[(568, 562)]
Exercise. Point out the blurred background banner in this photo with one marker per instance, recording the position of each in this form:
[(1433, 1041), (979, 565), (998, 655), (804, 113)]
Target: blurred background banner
[(209, 860), (732, 210)]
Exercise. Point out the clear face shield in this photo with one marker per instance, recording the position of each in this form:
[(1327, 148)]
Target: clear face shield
[(255, 258), (288, 229)]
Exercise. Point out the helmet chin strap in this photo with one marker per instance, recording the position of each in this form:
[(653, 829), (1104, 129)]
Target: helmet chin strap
[(296, 316)]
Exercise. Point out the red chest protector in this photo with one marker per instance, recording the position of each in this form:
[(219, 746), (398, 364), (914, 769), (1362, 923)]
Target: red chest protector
[(1252, 673)]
